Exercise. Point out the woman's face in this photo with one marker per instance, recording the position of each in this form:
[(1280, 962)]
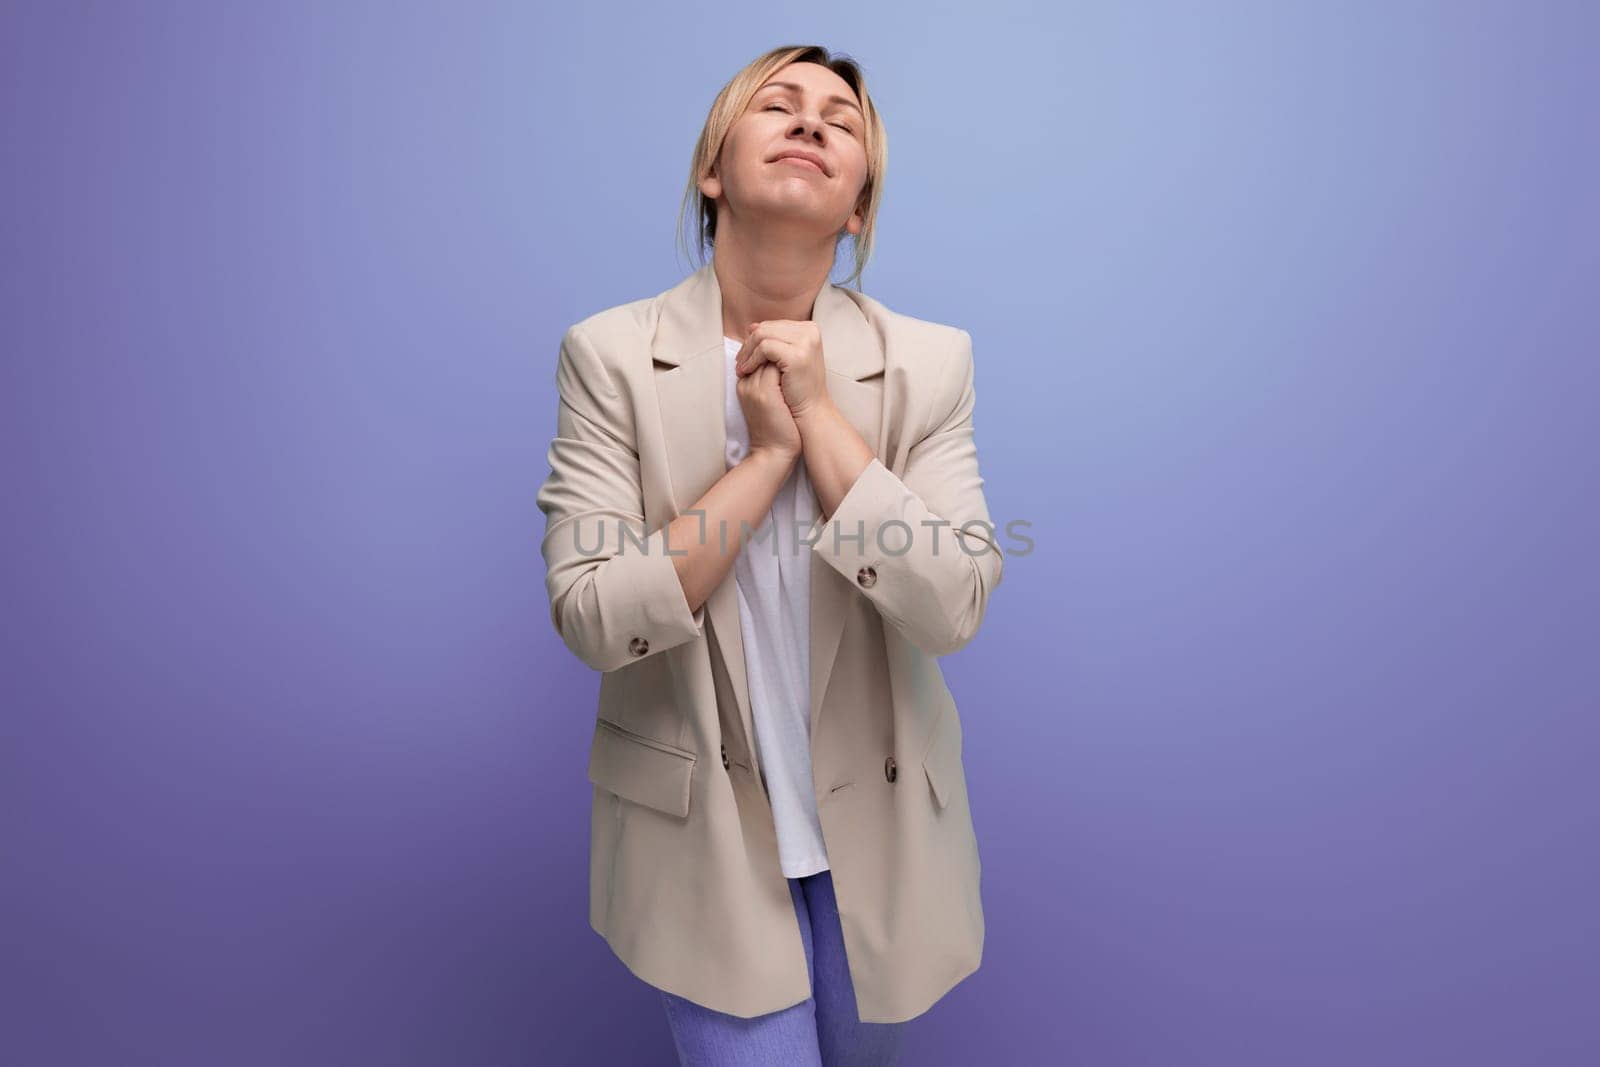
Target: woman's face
[(804, 109)]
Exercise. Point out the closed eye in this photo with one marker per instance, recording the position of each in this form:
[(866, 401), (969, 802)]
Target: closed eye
[(835, 125)]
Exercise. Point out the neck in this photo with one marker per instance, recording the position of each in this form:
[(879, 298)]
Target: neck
[(767, 279)]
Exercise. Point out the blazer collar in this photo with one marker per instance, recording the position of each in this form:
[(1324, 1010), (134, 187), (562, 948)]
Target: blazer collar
[(691, 323)]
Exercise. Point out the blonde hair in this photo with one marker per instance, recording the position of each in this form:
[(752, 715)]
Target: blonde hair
[(730, 104)]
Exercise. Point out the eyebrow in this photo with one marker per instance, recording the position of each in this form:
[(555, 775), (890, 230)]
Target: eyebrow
[(834, 99)]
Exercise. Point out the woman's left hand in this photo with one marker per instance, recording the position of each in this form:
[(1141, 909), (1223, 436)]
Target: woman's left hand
[(795, 348)]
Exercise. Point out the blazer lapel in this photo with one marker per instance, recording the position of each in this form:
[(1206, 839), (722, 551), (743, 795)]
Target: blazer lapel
[(690, 386)]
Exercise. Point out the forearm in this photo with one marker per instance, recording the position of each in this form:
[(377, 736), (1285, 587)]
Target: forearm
[(918, 543), (835, 455), (705, 541)]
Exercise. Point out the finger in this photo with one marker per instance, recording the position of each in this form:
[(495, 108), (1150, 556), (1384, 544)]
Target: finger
[(752, 338), (769, 350), (750, 356)]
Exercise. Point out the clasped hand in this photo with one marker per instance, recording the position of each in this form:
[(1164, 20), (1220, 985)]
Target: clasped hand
[(783, 382)]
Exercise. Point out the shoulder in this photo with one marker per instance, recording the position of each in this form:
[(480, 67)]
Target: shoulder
[(899, 326), (619, 325), (608, 340), (937, 355)]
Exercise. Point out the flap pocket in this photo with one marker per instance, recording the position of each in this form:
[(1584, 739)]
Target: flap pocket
[(641, 769), (942, 763)]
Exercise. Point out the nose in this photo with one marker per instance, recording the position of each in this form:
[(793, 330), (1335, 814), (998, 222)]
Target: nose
[(808, 125)]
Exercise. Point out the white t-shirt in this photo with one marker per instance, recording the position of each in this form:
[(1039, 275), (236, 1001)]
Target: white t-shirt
[(773, 576)]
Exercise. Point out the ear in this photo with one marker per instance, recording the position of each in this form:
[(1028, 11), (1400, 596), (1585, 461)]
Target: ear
[(711, 183), (858, 219)]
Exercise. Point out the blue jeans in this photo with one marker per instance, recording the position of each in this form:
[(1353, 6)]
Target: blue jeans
[(821, 1030)]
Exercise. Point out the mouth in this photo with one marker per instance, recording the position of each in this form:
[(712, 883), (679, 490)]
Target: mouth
[(802, 161)]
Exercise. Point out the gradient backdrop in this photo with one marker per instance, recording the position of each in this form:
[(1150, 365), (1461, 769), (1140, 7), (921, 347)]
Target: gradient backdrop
[(1282, 743)]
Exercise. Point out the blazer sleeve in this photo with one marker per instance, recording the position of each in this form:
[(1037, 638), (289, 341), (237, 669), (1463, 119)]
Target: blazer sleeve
[(936, 591), (615, 597)]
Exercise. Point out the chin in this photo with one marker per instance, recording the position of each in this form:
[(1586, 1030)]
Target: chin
[(789, 199)]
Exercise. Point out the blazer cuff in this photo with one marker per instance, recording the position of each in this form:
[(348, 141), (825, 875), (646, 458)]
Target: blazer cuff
[(848, 540), (649, 611), (909, 562), (629, 607)]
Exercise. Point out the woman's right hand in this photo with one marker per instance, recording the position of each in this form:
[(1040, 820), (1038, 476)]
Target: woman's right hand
[(766, 413)]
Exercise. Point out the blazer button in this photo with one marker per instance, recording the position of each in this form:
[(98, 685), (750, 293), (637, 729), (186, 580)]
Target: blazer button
[(638, 646), (890, 771), (867, 577), (724, 757)]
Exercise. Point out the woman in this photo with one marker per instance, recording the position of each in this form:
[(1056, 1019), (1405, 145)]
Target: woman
[(765, 522)]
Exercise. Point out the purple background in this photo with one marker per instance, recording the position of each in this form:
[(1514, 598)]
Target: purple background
[(1282, 744)]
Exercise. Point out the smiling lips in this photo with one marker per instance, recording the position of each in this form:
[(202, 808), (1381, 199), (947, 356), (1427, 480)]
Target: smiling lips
[(804, 161)]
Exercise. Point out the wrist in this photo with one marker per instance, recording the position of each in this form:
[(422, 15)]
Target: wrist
[(774, 458), (817, 419)]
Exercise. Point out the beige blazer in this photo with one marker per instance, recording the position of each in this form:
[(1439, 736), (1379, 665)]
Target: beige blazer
[(685, 884)]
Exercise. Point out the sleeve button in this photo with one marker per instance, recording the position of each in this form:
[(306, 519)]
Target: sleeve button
[(638, 646), (867, 577), (890, 771)]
